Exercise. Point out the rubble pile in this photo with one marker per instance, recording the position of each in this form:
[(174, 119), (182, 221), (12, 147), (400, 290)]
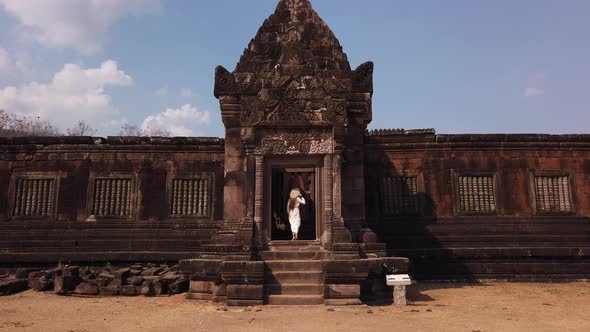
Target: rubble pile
[(138, 279)]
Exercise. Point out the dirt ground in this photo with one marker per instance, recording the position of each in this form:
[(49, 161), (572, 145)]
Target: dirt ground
[(434, 307)]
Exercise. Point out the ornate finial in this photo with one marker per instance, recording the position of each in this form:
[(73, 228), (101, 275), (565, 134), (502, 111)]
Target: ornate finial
[(295, 5), (296, 8)]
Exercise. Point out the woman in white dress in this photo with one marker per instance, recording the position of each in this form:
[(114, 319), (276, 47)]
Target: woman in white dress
[(295, 199)]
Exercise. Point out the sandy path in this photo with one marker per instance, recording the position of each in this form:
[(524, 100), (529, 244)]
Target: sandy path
[(436, 307)]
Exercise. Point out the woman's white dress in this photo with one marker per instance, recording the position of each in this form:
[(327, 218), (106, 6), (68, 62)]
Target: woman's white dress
[(294, 216)]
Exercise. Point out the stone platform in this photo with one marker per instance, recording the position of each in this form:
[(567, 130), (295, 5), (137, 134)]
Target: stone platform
[(294, 274)]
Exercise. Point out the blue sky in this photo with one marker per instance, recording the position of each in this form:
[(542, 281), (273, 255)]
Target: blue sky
[(457, 66)]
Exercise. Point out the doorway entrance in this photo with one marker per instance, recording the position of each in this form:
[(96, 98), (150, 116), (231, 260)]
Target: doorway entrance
[(283, 180)]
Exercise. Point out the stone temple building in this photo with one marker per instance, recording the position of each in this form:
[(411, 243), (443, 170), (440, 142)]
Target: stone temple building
[(296, 116)]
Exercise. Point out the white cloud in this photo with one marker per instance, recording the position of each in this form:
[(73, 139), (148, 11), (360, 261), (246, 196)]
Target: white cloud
[(73, 94), (12, 65), (186, 93), (533, 92), (4, 59), (162, 91), (182, 121), (78, 24), (540, 75)]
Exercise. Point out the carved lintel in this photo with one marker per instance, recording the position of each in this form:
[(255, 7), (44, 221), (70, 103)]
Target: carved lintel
[(295, 143)]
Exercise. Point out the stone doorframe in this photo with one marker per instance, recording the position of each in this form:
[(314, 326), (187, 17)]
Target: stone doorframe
[(263, 202)]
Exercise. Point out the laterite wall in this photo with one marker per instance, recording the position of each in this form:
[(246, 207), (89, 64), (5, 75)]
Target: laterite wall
[(70, 233), (516, 240)]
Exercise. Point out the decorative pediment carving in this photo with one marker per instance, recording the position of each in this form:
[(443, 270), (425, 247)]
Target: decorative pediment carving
[(291, 101), (294, 73), (295, 143)]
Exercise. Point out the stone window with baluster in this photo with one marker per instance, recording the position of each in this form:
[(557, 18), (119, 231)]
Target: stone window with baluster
[(112, 196), (190, 195), (33, 195)]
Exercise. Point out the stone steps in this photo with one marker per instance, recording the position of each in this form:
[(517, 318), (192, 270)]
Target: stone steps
[(293, 255), (298, 245), (295, 289), (295, 299), (294, 273), (295, 277), (294, 265)]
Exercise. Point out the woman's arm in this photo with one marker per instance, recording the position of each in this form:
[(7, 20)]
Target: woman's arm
[(301, 200)]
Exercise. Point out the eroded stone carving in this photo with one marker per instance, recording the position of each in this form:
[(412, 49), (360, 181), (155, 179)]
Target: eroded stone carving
[(295, 143), (294, 73)]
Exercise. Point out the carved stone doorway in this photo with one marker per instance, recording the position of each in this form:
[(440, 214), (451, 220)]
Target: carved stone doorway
[(281, 177)]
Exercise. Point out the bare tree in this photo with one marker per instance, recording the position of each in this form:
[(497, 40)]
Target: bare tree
[(82, 128), (134, 130), (14, 125), (4, 120)]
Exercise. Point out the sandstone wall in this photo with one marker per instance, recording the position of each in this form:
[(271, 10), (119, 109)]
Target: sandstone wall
[(515, 240), (141, 217)]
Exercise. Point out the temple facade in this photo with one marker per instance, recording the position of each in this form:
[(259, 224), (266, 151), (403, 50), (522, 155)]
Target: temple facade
[(296, 116)]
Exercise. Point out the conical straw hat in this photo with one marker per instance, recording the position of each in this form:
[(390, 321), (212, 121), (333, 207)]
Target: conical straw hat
[(295, 193)]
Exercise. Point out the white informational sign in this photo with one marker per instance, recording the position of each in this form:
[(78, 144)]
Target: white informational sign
[(398, 280)]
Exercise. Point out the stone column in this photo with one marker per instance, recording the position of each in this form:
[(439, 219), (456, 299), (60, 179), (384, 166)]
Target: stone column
[(234, 204), (250, 185), (341, 233), (337, 192), (258, 196), (328, 203)]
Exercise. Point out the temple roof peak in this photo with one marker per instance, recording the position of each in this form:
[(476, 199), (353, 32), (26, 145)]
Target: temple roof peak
[(294, 6), (294, 36)]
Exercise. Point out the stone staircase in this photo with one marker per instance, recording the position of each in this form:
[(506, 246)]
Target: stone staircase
[(294, 273)]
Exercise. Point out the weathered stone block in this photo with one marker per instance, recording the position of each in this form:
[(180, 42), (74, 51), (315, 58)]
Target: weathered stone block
[(342, 291), (102, 282), (245, 292), (64, 284), (197, 286), (159, 287), (122, 274), (12, 285), (179, 286), (151, 271), (71, 271), (128, 290), (23, 273), (106, 275), (199, 266), (220, 290), (368, 236), (147, 289), (109, 290), (135, 281), (87, 289), (137, 266), (40, 281), (255, 267), (243, 303), (170, 277)]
